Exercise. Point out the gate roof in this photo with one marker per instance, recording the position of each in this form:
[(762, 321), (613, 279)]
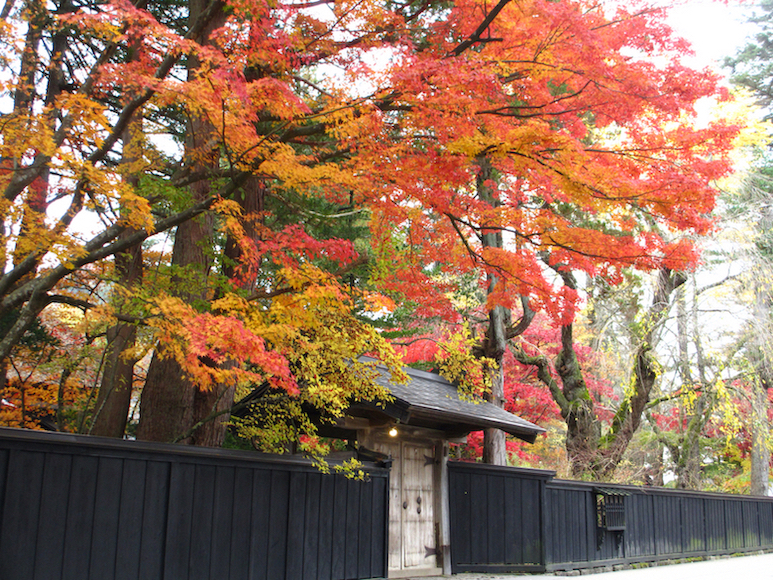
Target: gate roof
[(429, 400)]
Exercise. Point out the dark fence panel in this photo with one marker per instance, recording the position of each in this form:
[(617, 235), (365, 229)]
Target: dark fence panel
[(659, 524), (496, 516), (80, 507), (560, 518)]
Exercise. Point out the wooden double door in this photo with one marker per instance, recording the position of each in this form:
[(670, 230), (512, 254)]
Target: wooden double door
[(412, 489)]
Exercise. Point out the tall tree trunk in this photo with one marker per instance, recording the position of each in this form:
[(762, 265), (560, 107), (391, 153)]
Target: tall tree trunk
[(171, 404), (115, 389), (167, 404), (688, 462), (760, 431), (494, 449), (583, 429), (210, 407), (494, 440)]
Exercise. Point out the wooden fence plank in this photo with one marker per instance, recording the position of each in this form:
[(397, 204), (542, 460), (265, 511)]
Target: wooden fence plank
[(21, 508), (364, 528), (202, 518), (278, 515), (107, 502), (351, 540), (338, 543), (222, 523), (241, 521), (80, 518), (379, 509), (532, 517), (477, 515), (459, 500), (513, 520), (127, 565), (310, 533), (496, 527), (54, 498), (295, 526), (182, 482), (259, 531), (326, 511), (154, 519)]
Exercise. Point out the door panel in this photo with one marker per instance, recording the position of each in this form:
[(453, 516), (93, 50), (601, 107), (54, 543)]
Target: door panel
[(418, 507), (411, 506)]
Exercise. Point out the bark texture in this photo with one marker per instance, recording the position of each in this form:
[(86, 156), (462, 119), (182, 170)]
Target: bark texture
[(494, 448), (171, 403)]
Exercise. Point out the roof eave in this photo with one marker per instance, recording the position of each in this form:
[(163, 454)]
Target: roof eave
[(528, 434)]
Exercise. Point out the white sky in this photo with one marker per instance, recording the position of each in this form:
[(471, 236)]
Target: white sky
[(715, 30)]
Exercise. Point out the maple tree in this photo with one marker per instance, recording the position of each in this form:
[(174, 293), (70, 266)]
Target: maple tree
[(591, 178), (580, 114)]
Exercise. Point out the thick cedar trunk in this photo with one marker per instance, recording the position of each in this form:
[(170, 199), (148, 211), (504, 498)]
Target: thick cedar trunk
[(218, 400), (172, 404), (252, 201), (168, 398), (166, 408)]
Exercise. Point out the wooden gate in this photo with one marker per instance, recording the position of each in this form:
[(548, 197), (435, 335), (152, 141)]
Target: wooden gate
[(412, 539)]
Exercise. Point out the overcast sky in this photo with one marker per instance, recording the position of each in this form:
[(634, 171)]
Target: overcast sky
[(714, 29)]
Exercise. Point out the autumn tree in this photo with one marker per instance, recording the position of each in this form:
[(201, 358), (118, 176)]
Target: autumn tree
[(240, 114), (582, 111), (753, 352), (593, 178)]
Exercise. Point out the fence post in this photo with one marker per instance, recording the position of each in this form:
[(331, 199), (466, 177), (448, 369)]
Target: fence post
[(544, 521), (724, 517)]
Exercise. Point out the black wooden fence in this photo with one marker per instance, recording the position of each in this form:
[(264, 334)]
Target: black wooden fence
[(80, 507), (90, 508), (506, 519)]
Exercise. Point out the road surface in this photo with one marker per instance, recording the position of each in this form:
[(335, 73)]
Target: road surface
[(759, 567)]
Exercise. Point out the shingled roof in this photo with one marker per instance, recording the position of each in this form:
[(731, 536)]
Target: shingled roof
[(429, 400)]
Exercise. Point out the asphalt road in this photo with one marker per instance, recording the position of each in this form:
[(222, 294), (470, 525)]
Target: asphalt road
[(758, 567)]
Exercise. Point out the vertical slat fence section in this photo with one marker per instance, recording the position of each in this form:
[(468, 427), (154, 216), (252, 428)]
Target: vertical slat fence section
[(91, 508), (82, 507), (551, 525), (508, 500)]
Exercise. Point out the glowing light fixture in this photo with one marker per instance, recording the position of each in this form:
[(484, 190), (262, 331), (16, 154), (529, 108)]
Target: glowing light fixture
[(393, 432)]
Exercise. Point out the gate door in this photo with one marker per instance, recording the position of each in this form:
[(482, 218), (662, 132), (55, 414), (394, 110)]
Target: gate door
[(412, 546)]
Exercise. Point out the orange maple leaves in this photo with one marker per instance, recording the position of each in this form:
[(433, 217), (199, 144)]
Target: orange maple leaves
[(589, 122), (583, 111)]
